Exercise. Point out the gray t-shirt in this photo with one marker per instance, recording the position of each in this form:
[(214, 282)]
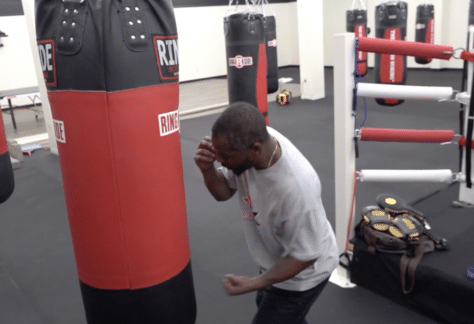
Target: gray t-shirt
[(283, 215)]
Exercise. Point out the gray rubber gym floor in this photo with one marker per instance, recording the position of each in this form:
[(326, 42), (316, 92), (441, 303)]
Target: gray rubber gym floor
[(38, 281)]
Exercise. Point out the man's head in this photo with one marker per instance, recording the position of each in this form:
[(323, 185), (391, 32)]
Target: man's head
[(238, 136)]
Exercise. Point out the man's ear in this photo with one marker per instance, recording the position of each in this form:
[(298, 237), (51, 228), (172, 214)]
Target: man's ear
[(257, 148)]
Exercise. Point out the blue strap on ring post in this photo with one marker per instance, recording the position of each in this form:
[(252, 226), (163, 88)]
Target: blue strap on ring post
[(470, 272)]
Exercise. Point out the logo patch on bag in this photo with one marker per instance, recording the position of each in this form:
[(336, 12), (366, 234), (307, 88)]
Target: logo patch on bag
[(59, 131), (46, 50), (168, 123), (272, 43), (239, 61), (167, 58), (420, 26)]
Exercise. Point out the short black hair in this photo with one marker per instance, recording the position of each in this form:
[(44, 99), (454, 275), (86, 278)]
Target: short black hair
[(243, 124)]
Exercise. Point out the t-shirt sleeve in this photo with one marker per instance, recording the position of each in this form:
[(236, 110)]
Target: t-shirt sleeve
[(229, 176), (297, 229)]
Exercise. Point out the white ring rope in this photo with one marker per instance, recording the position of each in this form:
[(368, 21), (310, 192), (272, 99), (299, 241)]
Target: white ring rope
[(435, 176), (376, 90)]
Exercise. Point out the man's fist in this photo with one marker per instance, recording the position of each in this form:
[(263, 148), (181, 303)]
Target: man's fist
[(205, 154)]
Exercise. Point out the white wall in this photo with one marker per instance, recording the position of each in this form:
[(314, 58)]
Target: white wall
[(16, 59), (311, 49), (202, 42), (202, 46), (451, 18)]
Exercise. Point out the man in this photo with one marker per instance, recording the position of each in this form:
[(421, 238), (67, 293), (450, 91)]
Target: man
[(287, 232)]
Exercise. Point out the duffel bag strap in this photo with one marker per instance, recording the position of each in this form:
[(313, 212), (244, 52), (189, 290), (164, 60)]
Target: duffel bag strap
[(408, 267)]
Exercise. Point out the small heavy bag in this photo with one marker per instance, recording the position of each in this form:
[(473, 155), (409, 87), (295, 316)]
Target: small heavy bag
[(356, 22), (471, 13), (390, 23), (246, 59), (424, 32)]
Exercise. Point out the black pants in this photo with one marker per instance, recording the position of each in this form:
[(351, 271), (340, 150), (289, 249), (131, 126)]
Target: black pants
[(279, 306)]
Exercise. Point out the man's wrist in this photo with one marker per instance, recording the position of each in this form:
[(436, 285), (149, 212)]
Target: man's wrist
[(262, 281), (209, 171)]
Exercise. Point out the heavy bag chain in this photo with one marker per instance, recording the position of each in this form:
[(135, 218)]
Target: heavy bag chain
[(360, 3), (251, 4)]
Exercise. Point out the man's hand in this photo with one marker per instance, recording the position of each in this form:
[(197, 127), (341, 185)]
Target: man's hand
[(238, 285), (205, 155), (284, 269), (215, 181)]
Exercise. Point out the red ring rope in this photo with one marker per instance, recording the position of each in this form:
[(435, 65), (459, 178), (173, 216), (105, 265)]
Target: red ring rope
[(385, 46), (462, 141), (406, 135), (467, 56)]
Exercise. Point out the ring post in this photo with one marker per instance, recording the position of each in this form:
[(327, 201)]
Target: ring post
[(467, 194), (344, 63)]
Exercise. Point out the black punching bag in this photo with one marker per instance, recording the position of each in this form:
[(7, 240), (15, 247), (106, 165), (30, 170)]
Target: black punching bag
[(7, 182), (356, 22), (269, 25), (390, 23), (246, 60), (111, 69), (424, 32)]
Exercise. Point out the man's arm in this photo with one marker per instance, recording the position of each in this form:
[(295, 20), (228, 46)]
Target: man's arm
[(217, 184), (284, 269), (215, 181)]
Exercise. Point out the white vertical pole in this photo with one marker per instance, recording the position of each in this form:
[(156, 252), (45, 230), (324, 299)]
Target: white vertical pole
[(310, 31), (467, 194), (28, 8), (440, 17), (344, 65)]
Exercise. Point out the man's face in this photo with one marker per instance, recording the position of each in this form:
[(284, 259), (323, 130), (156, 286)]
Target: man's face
[(234, 160)]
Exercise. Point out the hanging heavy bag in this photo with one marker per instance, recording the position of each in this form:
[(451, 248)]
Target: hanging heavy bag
[(424, 32), (269, 25), (246, 59), (7, 181), (112, 76), (356, 22), (390, 23)]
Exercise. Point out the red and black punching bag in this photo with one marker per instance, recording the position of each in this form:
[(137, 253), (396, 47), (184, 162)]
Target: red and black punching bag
[(390, 23), (356, 22), (7, 183), (424, 32), (246, 59), (112, 68), (269, 25)]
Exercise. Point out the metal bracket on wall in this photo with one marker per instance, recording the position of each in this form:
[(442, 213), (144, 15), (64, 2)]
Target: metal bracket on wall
[(2, 34)]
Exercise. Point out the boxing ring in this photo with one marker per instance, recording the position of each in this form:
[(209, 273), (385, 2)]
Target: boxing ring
[(346, 91)]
